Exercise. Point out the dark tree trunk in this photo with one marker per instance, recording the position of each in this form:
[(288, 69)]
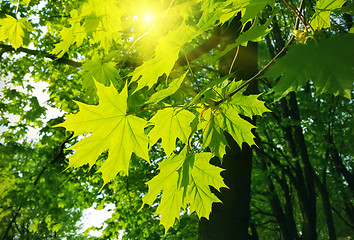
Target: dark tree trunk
[(230, 220), (304, 174), (322, 187), (285, 218)]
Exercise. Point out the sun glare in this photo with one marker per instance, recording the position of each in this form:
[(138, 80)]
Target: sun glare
[(148, 18)]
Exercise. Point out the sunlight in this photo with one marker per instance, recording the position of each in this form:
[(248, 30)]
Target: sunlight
[(148, 18)]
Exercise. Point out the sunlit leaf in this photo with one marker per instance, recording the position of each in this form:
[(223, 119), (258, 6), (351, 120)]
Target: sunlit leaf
[(321, 18), (226, 117), (164, 93), (184, 179), (75, 34), (166, 55), (170, 124), (14, 30), (112, 129)]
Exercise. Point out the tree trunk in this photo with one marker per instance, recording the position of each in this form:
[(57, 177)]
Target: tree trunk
[(322, 187), (285, 218), (230, 219), (304, 173)]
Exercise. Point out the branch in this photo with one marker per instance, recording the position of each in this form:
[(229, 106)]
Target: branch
[(10, 223), (342, 218), (195, 53), (8, 48), (203, 48)]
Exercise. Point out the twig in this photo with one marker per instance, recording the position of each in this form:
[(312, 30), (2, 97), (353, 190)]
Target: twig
[(261, 72), (297, 15), (233, 61)]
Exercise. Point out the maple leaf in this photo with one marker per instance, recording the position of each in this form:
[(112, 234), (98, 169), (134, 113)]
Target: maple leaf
[(329, 66), (170, 124), (164, 93), (14, 30), (202, 175), (75, 34), (226, 117), (248, 9), (321, 17), (255, 34), (166, 54), (103, 72), (166, 181), (112, 129), (108, 23), (184, 179)]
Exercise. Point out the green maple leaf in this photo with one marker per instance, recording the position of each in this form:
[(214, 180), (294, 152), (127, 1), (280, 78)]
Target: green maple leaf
[(166, 181), (202, 175), (14, 30), (248, 8), (112, 129), (170, 124), (166, 54), (215, 120), (254, 34), (184, 179), (107, 25), (103, 72), (164, 93), (26, 2), (75, 34), (321, 18), (329, 66), (246, 105)]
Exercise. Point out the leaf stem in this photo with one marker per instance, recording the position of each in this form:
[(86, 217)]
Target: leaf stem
[(18, 4), (260, 72), (275, 57), (195, 79), (233, 61), (298, 16), (300, 13)]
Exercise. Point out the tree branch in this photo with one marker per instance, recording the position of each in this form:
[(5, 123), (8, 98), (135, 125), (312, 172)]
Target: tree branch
[(203, 48), (8, 48)]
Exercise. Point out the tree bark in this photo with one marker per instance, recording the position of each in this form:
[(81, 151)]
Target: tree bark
[(285, 218), (230, 220), (322, 187)]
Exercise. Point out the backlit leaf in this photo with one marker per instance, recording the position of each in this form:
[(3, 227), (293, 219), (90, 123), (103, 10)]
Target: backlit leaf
[(112, 129), (184, 179), (102, 72), (164, 93), (214, 121), (254, 34), (75, 34), (166, 55), (321, 18), (170, 124), (14, 30)]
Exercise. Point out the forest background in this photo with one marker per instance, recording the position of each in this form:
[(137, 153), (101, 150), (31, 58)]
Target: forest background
[(161, 99)]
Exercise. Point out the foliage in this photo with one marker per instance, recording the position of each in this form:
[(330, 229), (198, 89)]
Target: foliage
[(141, 103)]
